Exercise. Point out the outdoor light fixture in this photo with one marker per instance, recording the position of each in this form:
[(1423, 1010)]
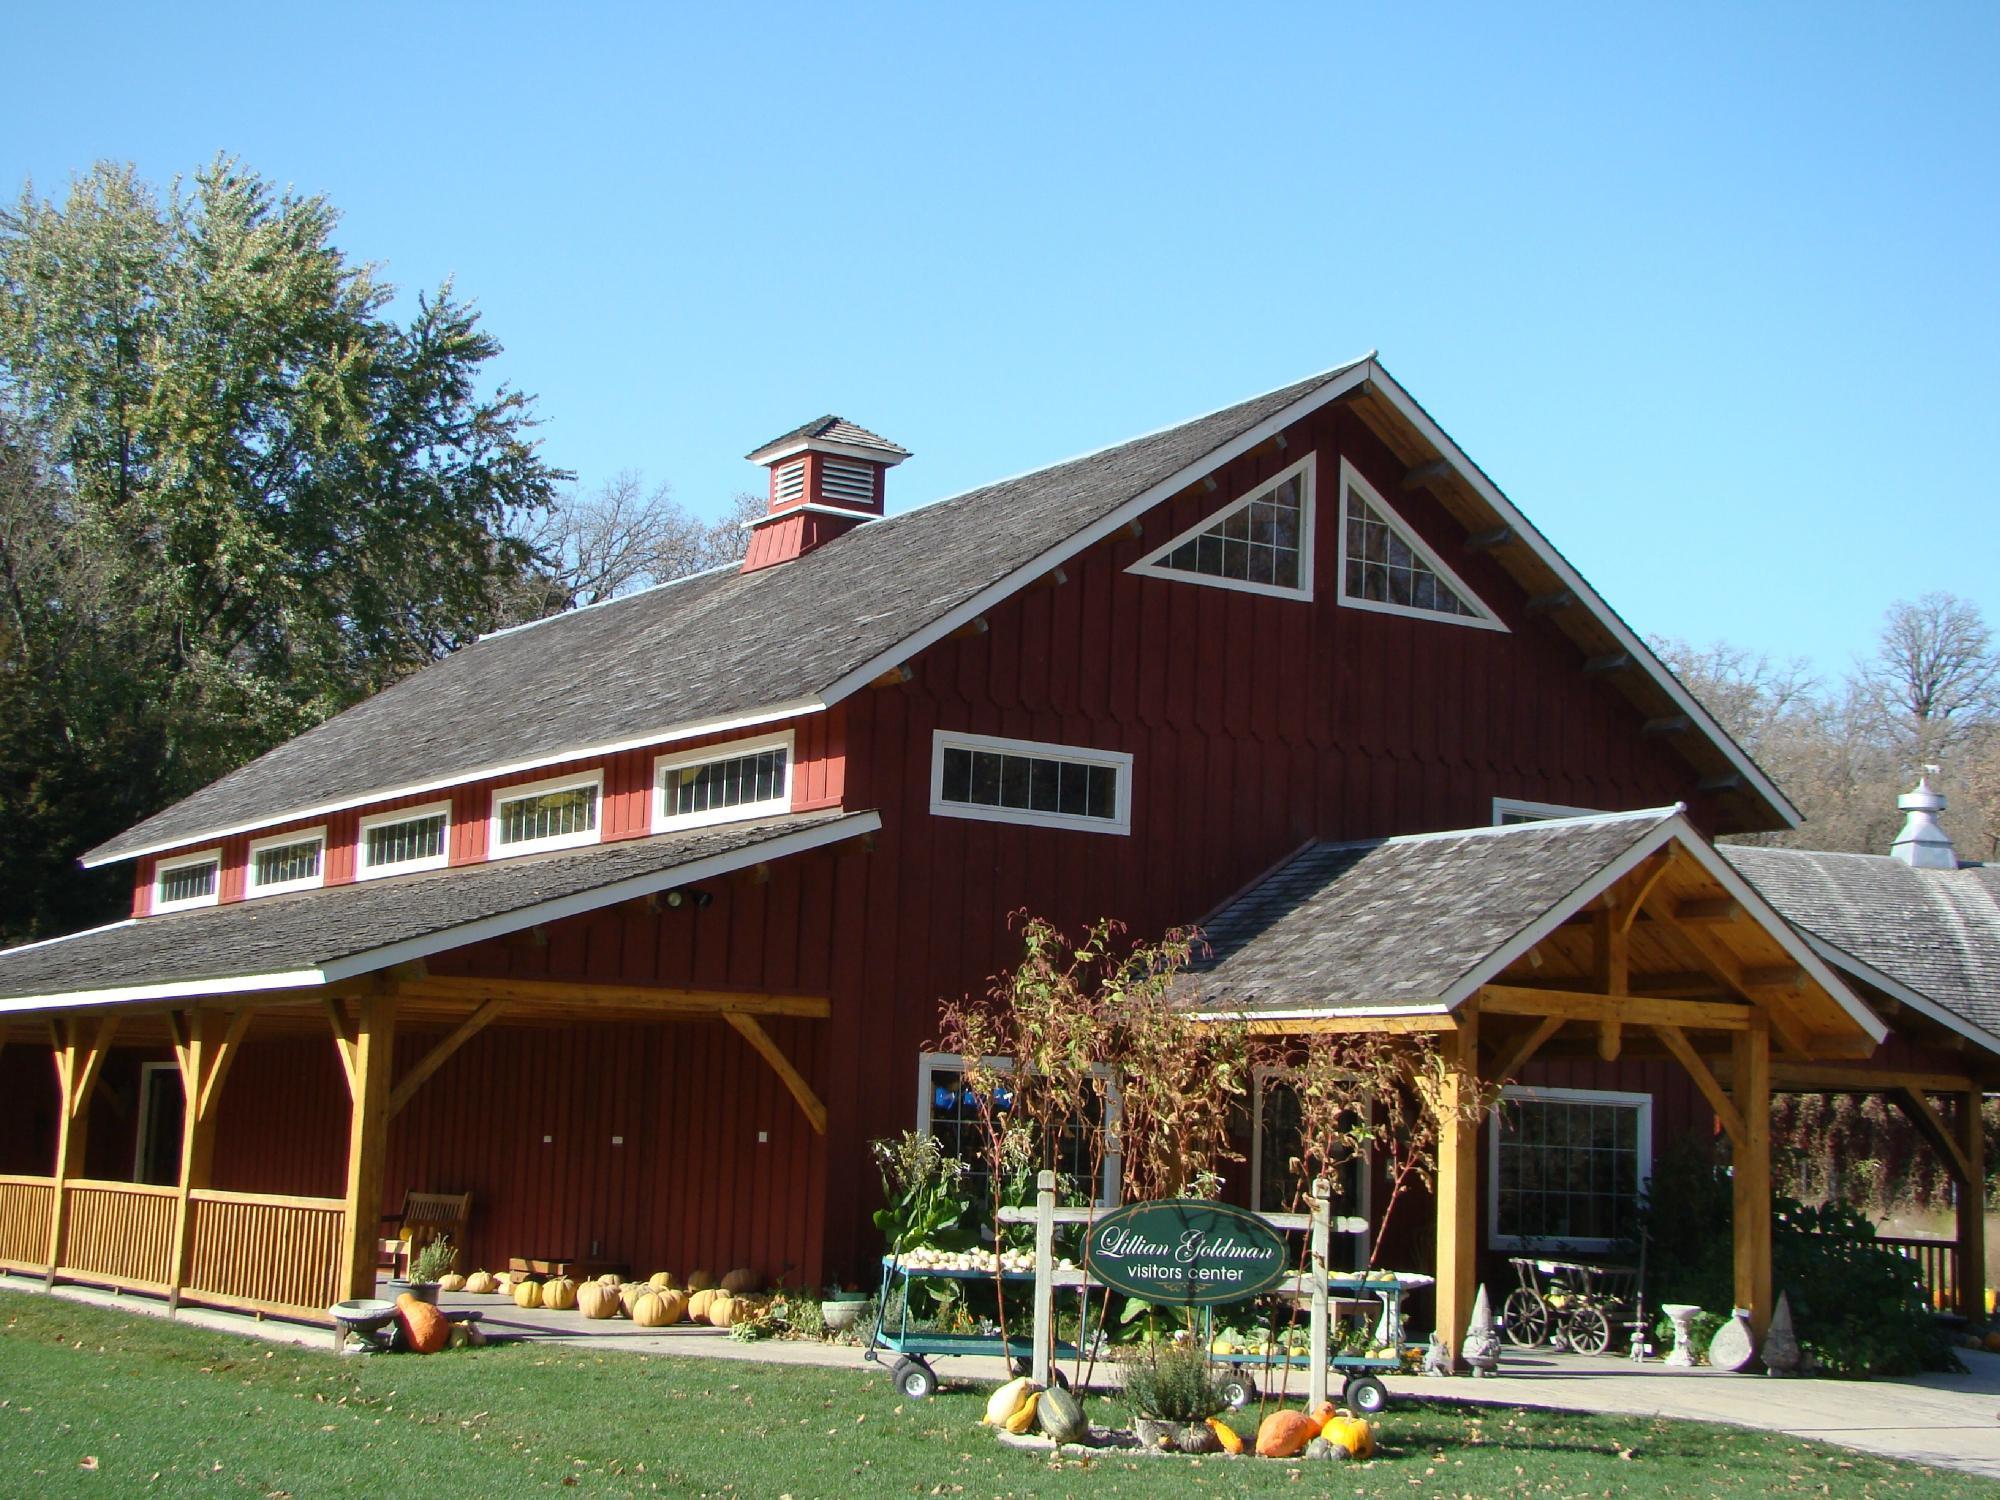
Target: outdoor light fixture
[(693, 895)]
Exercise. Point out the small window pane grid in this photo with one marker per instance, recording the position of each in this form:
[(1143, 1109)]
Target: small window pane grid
[(551, 815), (286, 864), (718, 784), (1030, 783), (1567, 1171), (1256, 543), (789, 480), (1282, 1139), (189, 882), (1384, 568), (404, 843), (953, 1114)]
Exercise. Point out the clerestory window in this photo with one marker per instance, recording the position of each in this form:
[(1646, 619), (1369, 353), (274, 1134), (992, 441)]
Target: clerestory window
[(1261, 543)]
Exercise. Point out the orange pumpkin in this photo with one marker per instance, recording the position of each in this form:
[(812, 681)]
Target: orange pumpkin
[(424, 1328), (649, 1309), (559, 1292), (527, 1293), (596, 1300), (700, 1281), (739, 1281), (700, 1302), (1284, 1434)]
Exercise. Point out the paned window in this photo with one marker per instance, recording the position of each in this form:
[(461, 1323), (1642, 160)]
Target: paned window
[(400, 842), (285, 862), (1386, 566), (749, 780), (1568, 1167), (546, 815), (1024, 781), (949, 1109), (1261, 543), (193, 880), (1277, 1140)]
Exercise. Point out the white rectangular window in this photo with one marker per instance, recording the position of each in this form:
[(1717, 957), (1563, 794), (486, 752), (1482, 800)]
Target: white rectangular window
[(948, 1109), (1025, 781), (722, 783), (556, 814), (188, 880), (409, 839), (286, 862), (1567, 1168)]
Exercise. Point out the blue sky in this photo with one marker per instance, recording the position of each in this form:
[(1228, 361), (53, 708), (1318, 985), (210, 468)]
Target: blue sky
[(1710, 291)]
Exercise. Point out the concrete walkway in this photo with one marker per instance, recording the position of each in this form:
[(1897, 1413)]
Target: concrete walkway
[(1948, 1421)]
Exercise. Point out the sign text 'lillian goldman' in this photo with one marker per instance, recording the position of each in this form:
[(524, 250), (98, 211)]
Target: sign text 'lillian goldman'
[(1185, 1250)]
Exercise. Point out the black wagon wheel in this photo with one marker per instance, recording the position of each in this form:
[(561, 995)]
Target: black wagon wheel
[(1589, 1330), (1237, 1388), (1525, 1316), (1365, 1395), (914, 1379)]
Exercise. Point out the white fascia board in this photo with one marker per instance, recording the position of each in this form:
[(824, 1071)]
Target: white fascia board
[(779, 452), (851, 826), (1385, 385), (1917, 1000), (1350, 380), (1325, 1013), (659, 737), (182, 989), (813, 507)]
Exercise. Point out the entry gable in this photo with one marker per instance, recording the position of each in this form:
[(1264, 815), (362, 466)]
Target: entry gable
[(1260, 543)]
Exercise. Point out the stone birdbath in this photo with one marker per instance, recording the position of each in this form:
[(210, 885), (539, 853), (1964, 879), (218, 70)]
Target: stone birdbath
[(1683, 1315)]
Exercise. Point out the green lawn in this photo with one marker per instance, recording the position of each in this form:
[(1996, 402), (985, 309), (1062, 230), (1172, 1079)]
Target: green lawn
[(97, 1402)]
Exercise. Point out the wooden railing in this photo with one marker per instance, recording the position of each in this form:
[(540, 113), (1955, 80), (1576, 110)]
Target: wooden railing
[(265, 1254), (119, 1233), (26, 1207), (1937, 1265)]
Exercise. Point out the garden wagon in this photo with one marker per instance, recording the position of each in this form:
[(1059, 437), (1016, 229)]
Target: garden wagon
[(916, 1347)]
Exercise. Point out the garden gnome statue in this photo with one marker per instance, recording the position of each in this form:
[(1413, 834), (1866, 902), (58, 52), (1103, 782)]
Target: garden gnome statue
[(1781, 1345), (1482, 1339), (1734, 1347), (1437, 1358)]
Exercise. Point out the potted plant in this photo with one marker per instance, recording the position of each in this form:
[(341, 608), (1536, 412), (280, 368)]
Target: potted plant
[(1172, 1395), (841, 1308), (426, 1266)]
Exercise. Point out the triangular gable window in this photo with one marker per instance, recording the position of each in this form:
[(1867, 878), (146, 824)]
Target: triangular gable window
[(1386, 566), (1261, 544)]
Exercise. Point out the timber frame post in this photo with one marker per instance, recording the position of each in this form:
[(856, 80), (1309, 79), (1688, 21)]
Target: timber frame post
[(204, 1058), (371, 1048), (1972, 1206), (1750, 1172), (78, 1064), (1457, 1182)]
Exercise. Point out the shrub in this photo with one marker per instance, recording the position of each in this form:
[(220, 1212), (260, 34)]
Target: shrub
[(1173, 1384)]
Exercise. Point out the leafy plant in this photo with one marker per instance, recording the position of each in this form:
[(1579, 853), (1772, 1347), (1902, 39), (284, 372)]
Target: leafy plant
[(921, 1188), (434, 1260), (1173, 1384)]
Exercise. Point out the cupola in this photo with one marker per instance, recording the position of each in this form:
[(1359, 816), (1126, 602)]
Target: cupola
[(827, 477), (1922, 842)]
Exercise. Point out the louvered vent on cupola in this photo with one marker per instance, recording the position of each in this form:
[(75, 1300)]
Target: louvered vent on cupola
[(827, 477)]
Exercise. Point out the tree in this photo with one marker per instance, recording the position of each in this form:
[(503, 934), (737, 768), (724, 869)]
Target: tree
[(1935, 678), (240, 496)]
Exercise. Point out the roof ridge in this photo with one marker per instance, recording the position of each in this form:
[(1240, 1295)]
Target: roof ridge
[(1489, 830)]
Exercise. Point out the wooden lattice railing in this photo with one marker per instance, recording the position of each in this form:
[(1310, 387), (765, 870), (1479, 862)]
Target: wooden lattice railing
[(119, 1233), (1937, 1265), (26, 1206), (265, 1254)]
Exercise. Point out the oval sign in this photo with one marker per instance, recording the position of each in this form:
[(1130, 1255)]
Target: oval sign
[(1186, 1251)]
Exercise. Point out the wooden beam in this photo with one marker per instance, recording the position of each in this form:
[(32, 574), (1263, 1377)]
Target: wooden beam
[(439, 1055), (1610, 1036), (93, 1061), (1774, 977), (747, 1028), (204, 1070), (1055, 578), (1610, 661), (523, 994), (894, 677), (1727, 781), (223, 1054), (1632, 1010), (1424, 474), (1938, 1135), (1507, 1062), (972, 627), (1833, 1078), (1345, 1025), (1664, 725), (1642, 880), (1971, 1209), (1457, 1185), (78, 1065), (1711, 1089), (1486, 541), (367, 1144), (1549, 603), (1750, 1175), (1708, 910), (343, 1037)]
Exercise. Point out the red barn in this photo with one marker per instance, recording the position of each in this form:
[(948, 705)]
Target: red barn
[(632, 923)]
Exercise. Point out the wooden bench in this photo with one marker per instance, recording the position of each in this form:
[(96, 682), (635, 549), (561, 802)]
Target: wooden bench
[(425, 1217)]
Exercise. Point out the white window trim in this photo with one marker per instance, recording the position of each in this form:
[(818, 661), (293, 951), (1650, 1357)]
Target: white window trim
[(252, 889), (363, 870), (152, 1075), (503, 795), (1526, 1243), (1112, 1174), (1150, 566), (180, 862), (1352, 478), (672, 761), (1540, 810), (1363, 1206), (1119, 761)]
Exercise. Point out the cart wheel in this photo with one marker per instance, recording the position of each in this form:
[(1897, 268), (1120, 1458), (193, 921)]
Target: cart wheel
[(1526, 1317), (914, 1379), (1589, 1330), (1366, 1395), (1237, 1388)]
